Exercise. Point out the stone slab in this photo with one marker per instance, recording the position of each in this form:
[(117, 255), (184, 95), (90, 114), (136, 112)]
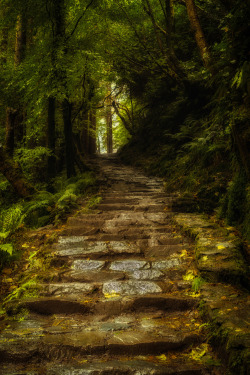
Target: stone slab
[(120, 247), (129, 265), (146, 274), (68, 289), (87, 265), (93, 276), (166, 264), (127, 288)]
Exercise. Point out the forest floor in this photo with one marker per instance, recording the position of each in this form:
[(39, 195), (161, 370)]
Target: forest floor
[(129, 287)]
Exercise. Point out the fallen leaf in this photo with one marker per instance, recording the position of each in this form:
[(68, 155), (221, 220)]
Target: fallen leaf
[(161, 357), (220, 247)]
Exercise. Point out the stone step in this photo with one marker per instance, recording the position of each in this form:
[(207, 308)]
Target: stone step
[(135, 366), (77, 246), (116, 194), (138, 219), (84, 230), (111, 306), (64, 338), (120, 200), (128, 207), (102, 224)]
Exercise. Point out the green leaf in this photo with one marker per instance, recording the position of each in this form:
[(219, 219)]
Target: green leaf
[(4, 235), (8, 248)]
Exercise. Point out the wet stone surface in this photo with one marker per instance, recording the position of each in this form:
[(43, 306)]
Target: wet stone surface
[(146, 274), (88, 265), (129, 265), (130, 288), (119, 304), (166, 264), (68, 288)]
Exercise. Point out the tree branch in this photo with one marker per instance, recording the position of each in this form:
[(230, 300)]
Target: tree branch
[(79, 19)]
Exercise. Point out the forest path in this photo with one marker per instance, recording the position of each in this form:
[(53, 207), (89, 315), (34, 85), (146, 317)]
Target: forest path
[(122, 302)]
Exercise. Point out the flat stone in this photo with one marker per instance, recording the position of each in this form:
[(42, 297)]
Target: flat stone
[(112, 326), (68, 288), (85, 249), (88, 265), (116, 367), (123, 247), (131, 287), (86, 341), (65, 240), (142, 342), (93, 276), (166, 264), (146, 274), (129, 265)]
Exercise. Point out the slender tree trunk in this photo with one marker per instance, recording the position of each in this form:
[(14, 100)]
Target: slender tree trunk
[(199, 35), (241, 148), (51, 138), (4, 44), (149, 11), (109, 123), (84, 133), (20, 50), (124, 121), (14, 127), (21, 36), (92, 133), (10, 130), (13, 173), (69, 149), (57, 17), (174, 68)]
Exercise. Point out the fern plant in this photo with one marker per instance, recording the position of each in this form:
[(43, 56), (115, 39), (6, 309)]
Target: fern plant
[(10, 219)]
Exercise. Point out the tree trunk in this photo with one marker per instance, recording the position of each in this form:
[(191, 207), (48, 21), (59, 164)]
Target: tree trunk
[(58, 22), (92, 133), (10, 130), (149, 11), (14, 117), (109, 127), (199, 35), (21, 35), (51, 138), (14, 174), (4, 42), (69, 149), (241, 144), (124, 121), (84, 133)]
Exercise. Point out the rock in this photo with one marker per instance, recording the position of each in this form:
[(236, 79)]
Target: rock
[(129, 265), (146, 274), (85, 249), (68, 289), (88, 265), (166, 264), (116, 288)]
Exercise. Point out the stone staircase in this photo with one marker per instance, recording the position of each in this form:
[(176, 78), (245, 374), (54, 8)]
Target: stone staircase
[(121, 303)]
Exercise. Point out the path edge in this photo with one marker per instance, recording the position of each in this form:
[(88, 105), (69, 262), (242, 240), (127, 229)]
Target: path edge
[(221, 263)]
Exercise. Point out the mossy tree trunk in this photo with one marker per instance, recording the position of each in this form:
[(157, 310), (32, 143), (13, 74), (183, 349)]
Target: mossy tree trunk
[(92, 132), (109, 124), (14, 174), (199, 35), (69, 148), (14, 127), (51, 137), (11, 115)]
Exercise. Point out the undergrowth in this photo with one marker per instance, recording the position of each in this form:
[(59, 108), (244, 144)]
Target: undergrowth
[(190, 143), (42, 209)]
